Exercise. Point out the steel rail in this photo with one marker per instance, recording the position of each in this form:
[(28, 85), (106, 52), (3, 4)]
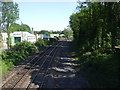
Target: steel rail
[(29, 70), (26, 64), (40, 69), (29, 62), (43, 79)]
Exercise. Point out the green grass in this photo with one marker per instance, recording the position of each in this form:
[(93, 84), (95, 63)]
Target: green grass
[(0, 67), (4, 67)]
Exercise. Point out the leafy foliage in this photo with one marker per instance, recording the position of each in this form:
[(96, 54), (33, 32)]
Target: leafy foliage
[(68, 33), (43, 32), (48, 32), (25, 27), (102, 20), (17, 27), (19, 52), (96, 31), (10, 13), (41, 43)]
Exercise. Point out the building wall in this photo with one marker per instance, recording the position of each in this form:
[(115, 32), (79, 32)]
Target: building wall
[(4, 40), (54, 35), (39, 36), (25, 36)]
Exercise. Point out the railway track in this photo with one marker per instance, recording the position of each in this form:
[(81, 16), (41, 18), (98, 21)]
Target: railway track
[(41, 62), (43, 71), (23, 65)]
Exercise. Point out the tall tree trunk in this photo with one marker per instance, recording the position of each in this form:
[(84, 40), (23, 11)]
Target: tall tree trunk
[(8, 39)]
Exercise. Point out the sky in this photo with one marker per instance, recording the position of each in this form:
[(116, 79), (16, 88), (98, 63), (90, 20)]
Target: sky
[(46, 15)]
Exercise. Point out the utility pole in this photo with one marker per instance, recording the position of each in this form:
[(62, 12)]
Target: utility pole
[(32, 31)]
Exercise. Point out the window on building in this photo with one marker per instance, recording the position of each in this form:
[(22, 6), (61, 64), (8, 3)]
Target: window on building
[(17, 39)]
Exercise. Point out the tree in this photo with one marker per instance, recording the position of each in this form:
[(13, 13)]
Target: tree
[(96, 26), (15, 27), (25, 27), (10, 13), (55, 32), (43, 32), (68, 33), (0, 23)]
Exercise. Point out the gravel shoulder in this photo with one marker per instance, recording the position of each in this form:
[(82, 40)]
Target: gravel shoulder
[(63, 72)]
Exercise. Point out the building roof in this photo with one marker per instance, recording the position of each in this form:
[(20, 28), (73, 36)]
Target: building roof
[(18, 33)]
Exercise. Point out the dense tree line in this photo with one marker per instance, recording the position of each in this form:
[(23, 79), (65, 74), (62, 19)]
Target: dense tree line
[(48, 32), (96, 32), (43, 32), (96, 26), (67, 32)]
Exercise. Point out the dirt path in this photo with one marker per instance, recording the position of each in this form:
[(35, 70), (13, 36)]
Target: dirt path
[(62, 73)]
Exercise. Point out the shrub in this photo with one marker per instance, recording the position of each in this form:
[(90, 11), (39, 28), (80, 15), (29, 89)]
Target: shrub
[(18, 53), (41, 43)]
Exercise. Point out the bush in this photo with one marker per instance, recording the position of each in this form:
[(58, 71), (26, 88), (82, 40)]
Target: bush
[(25, 47), (16, 54), (52, 40), (101, 67), (41, 43), (20, 51)]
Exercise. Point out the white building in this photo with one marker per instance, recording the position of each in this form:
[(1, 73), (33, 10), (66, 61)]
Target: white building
[(54, 35), (61, 35), (18, 36), (23, 36), (39, 36)]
